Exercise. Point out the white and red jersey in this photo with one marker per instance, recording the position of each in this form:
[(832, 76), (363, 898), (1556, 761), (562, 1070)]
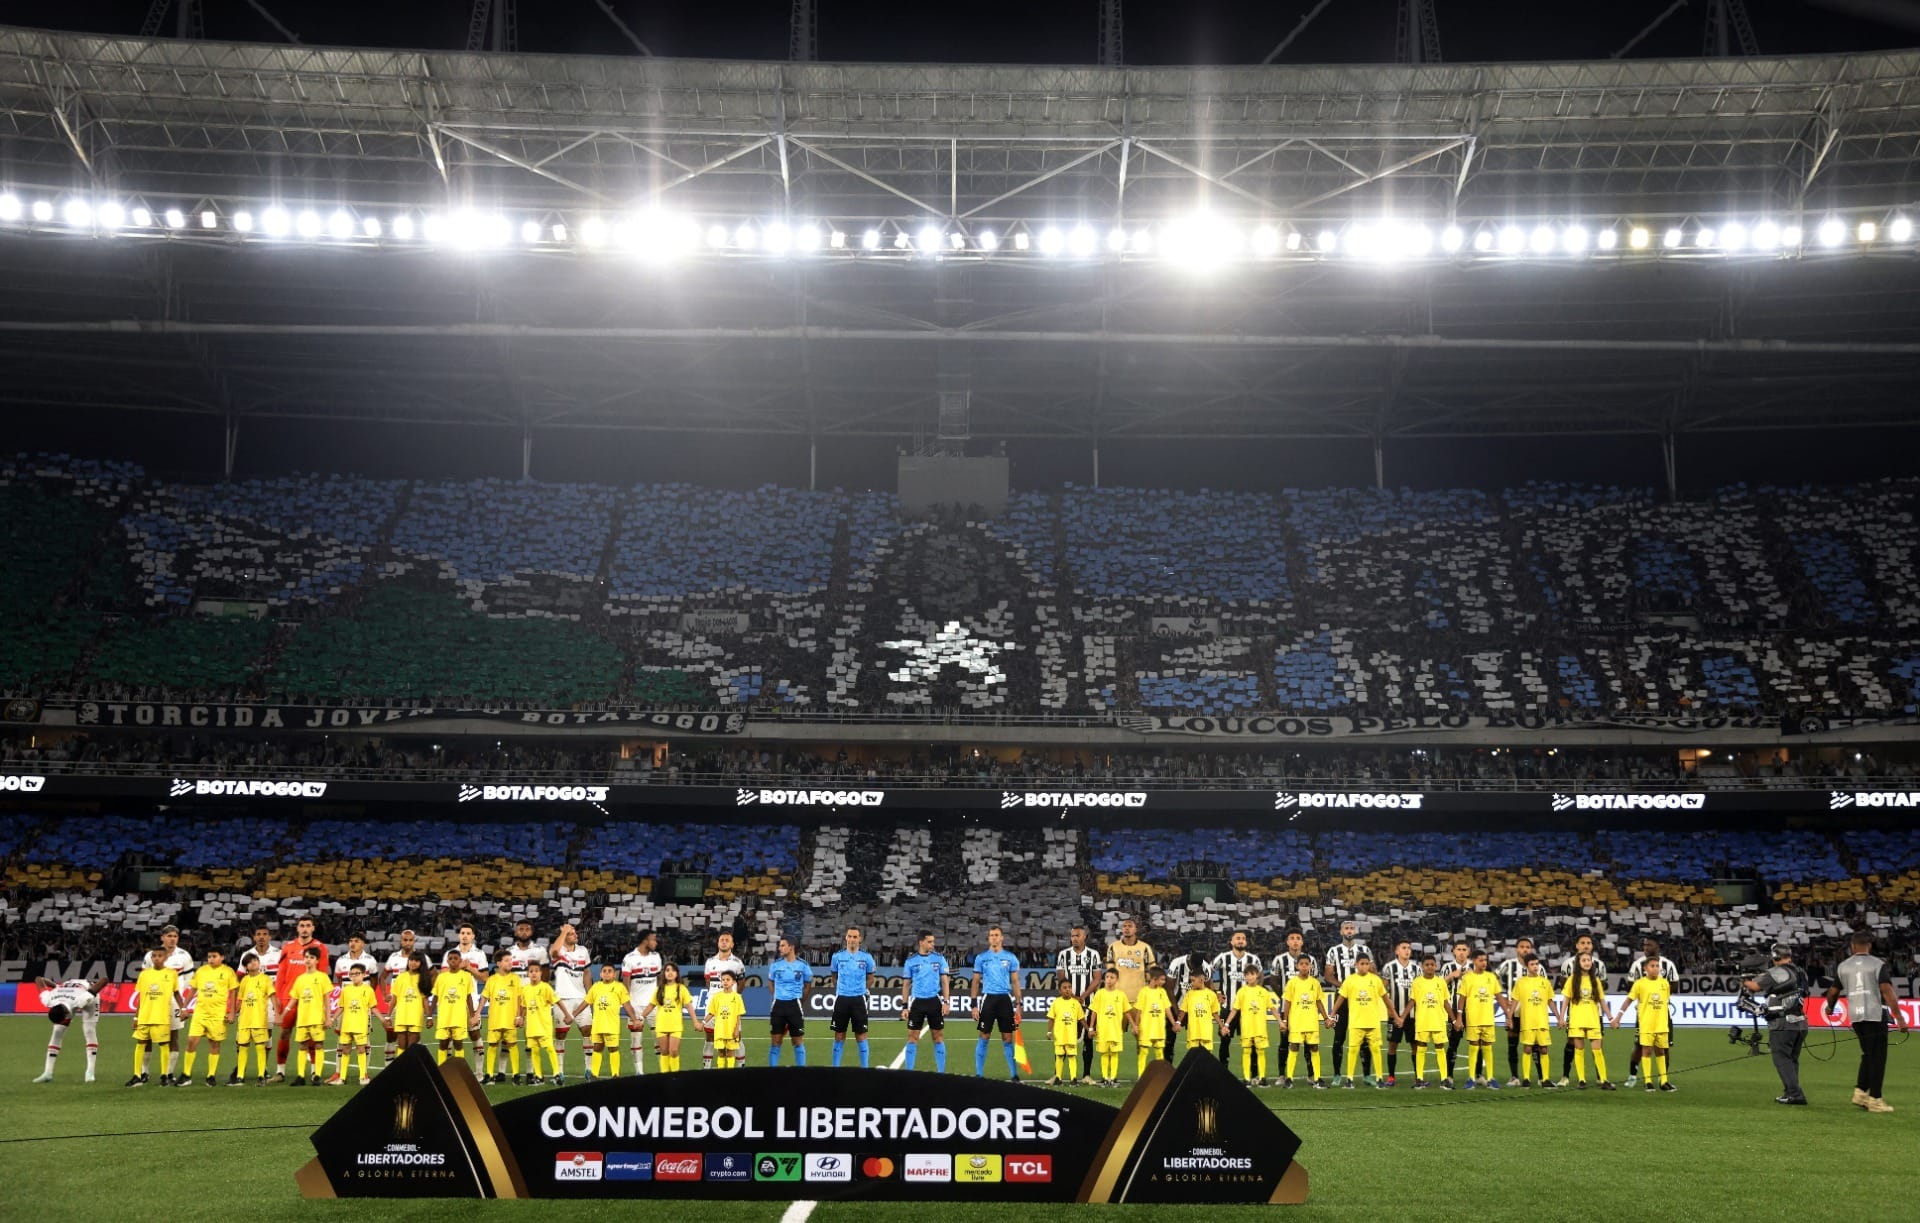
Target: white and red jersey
[(269, 959), (182, 965), (397, 964), (717, 964), (641, 971), (570, 971), (474, 959), (519, 958), (77, 996), (344, 966)]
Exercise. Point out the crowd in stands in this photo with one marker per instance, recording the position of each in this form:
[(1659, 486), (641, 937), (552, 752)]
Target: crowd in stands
[(1547, 598)]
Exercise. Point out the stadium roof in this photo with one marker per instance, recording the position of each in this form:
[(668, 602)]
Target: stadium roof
[(1102, 348)]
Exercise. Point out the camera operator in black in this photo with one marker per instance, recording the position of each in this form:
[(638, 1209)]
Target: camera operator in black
[(1784, 990)]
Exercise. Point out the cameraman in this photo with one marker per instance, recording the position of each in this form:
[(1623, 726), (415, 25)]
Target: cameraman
[(1783, 988)]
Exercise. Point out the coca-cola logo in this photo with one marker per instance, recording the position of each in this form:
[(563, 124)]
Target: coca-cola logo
[(678, 1166)]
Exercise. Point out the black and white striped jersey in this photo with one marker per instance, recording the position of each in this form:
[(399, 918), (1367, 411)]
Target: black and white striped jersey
[(1509, 972), (1566, 967), (1081, 968), (1341, 957), (1399, 978), (1452, 970), (1285, 965), (1229, 972), (1668, 969), (1177, 970)]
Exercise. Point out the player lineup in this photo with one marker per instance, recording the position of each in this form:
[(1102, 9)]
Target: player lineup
[(1338, 1019)]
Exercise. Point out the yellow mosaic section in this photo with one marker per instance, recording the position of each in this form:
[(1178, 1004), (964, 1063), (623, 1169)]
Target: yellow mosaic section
[(42, 875)]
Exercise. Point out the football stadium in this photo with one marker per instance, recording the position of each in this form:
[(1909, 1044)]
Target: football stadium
[(1047, 614)]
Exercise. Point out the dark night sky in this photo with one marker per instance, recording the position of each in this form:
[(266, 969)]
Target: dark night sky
[(1059, 31)]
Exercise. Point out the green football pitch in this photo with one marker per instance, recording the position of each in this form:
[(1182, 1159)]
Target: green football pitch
[(1718, 1148)]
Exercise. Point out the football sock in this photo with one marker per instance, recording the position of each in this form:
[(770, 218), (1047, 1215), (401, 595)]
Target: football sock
[(187, 1060), (1420, 1063), (865, 1063), (839, 1051), (1313, 1058), (1353, 1057), (1599, 1063), (1393, 1062), (799, 1055), (1246, 1060), (1580, 1063), (940, 1057), (493, 1059), (139, 1060), (1006, 1050), (1633, 1061), (1660, 1064), (1259, 1063), (913, 1048), (1293, 1061), (980, 1057), (597, 1063), (613, 1061), (1109, 1066)]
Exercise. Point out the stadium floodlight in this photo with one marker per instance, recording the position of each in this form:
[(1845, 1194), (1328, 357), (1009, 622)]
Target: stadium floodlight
[(78, 214), (777, 237), (243, 222), (1638, 237), (1452, 238), (208, 220), (1867, 231), (340, 226), (1293, 239), (1766, 235), (837, 240), (308, 223), (1483, 240), (559, 231), (434, 227), (1832, 232), (746, 237), (1022, 240), (957, 240), (901, 242), (1673, 238), (1513, 240), (1704, 237), (1327, 242), (1573, 239), (530, 232), (1899, 229), (176, 219), (1266, 240), (988, 240), (1361, 241), (1733, 236), (1606, 239), (111, 215), (928, 240), (807, 237), (1142, 241), (1117, 240), (1052, 241), (716, 236), (9, 208), (370, 226), (1790, 236), (142, 218), (870, 240), (403, 227), (1541, 241), (1082, 241), (42, 210), (275, 223)]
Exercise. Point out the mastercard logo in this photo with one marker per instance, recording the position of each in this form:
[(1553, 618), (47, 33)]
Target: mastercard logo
[(876, 1167)]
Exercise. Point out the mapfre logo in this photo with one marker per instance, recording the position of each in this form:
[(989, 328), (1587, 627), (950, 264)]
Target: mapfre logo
[(23, 783), (927, 1169), (1629, 802), (578, 1165), (1837, 799), (1029, 1169), (1343, 799), (809, 798), (1072, 798), (533, 794), (220, 788)]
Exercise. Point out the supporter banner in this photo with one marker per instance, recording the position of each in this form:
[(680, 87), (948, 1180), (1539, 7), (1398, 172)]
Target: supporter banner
[(1193, 1135), (715, 623), (1186, 626), (1330, 727), (379, 717)]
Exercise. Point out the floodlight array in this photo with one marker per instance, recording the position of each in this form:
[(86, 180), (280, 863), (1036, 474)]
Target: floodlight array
[(1198, 240)]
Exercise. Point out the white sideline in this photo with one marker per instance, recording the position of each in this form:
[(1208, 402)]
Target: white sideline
[(798, 1212)]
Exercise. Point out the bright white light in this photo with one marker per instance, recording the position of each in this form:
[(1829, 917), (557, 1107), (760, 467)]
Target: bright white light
[(1419, 240), (1483, 240), (1361, 240), (1790, 236), (1452, 238), (779, 239), (1672, 238), (559, 232), (1733, 236), (340, 226), (1766, 236), (1082, 241), (837, 240), (745, 237), (472, 229), (989, 241), (1607, 239), (1021, 241), (403, 227), (901, 242), (530, 232), (1513, 240), (1832, 232), (370, 226), (208, 220), (1052, 241), (111, 215), (870, 240), (1899, 230), (1541, 240), (716, 236), (1573, 239), (9, 208), (141, 218), (1143, 241), (243, 222), (434, 228), (1638, 237), (927, 241), (957, 240), (275, 223), (175, 218), (807, 237), (308, 223), (77, 214), (1327, 241), (1293, 239), (1266, 240), (1117, 240), (1867, 232)]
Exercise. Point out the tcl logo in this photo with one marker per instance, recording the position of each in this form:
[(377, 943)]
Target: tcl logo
[(678, 1166), (1029, 1169)]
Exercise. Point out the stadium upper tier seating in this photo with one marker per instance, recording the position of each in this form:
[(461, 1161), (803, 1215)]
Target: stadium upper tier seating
[(63, 884), (1543, 598)]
